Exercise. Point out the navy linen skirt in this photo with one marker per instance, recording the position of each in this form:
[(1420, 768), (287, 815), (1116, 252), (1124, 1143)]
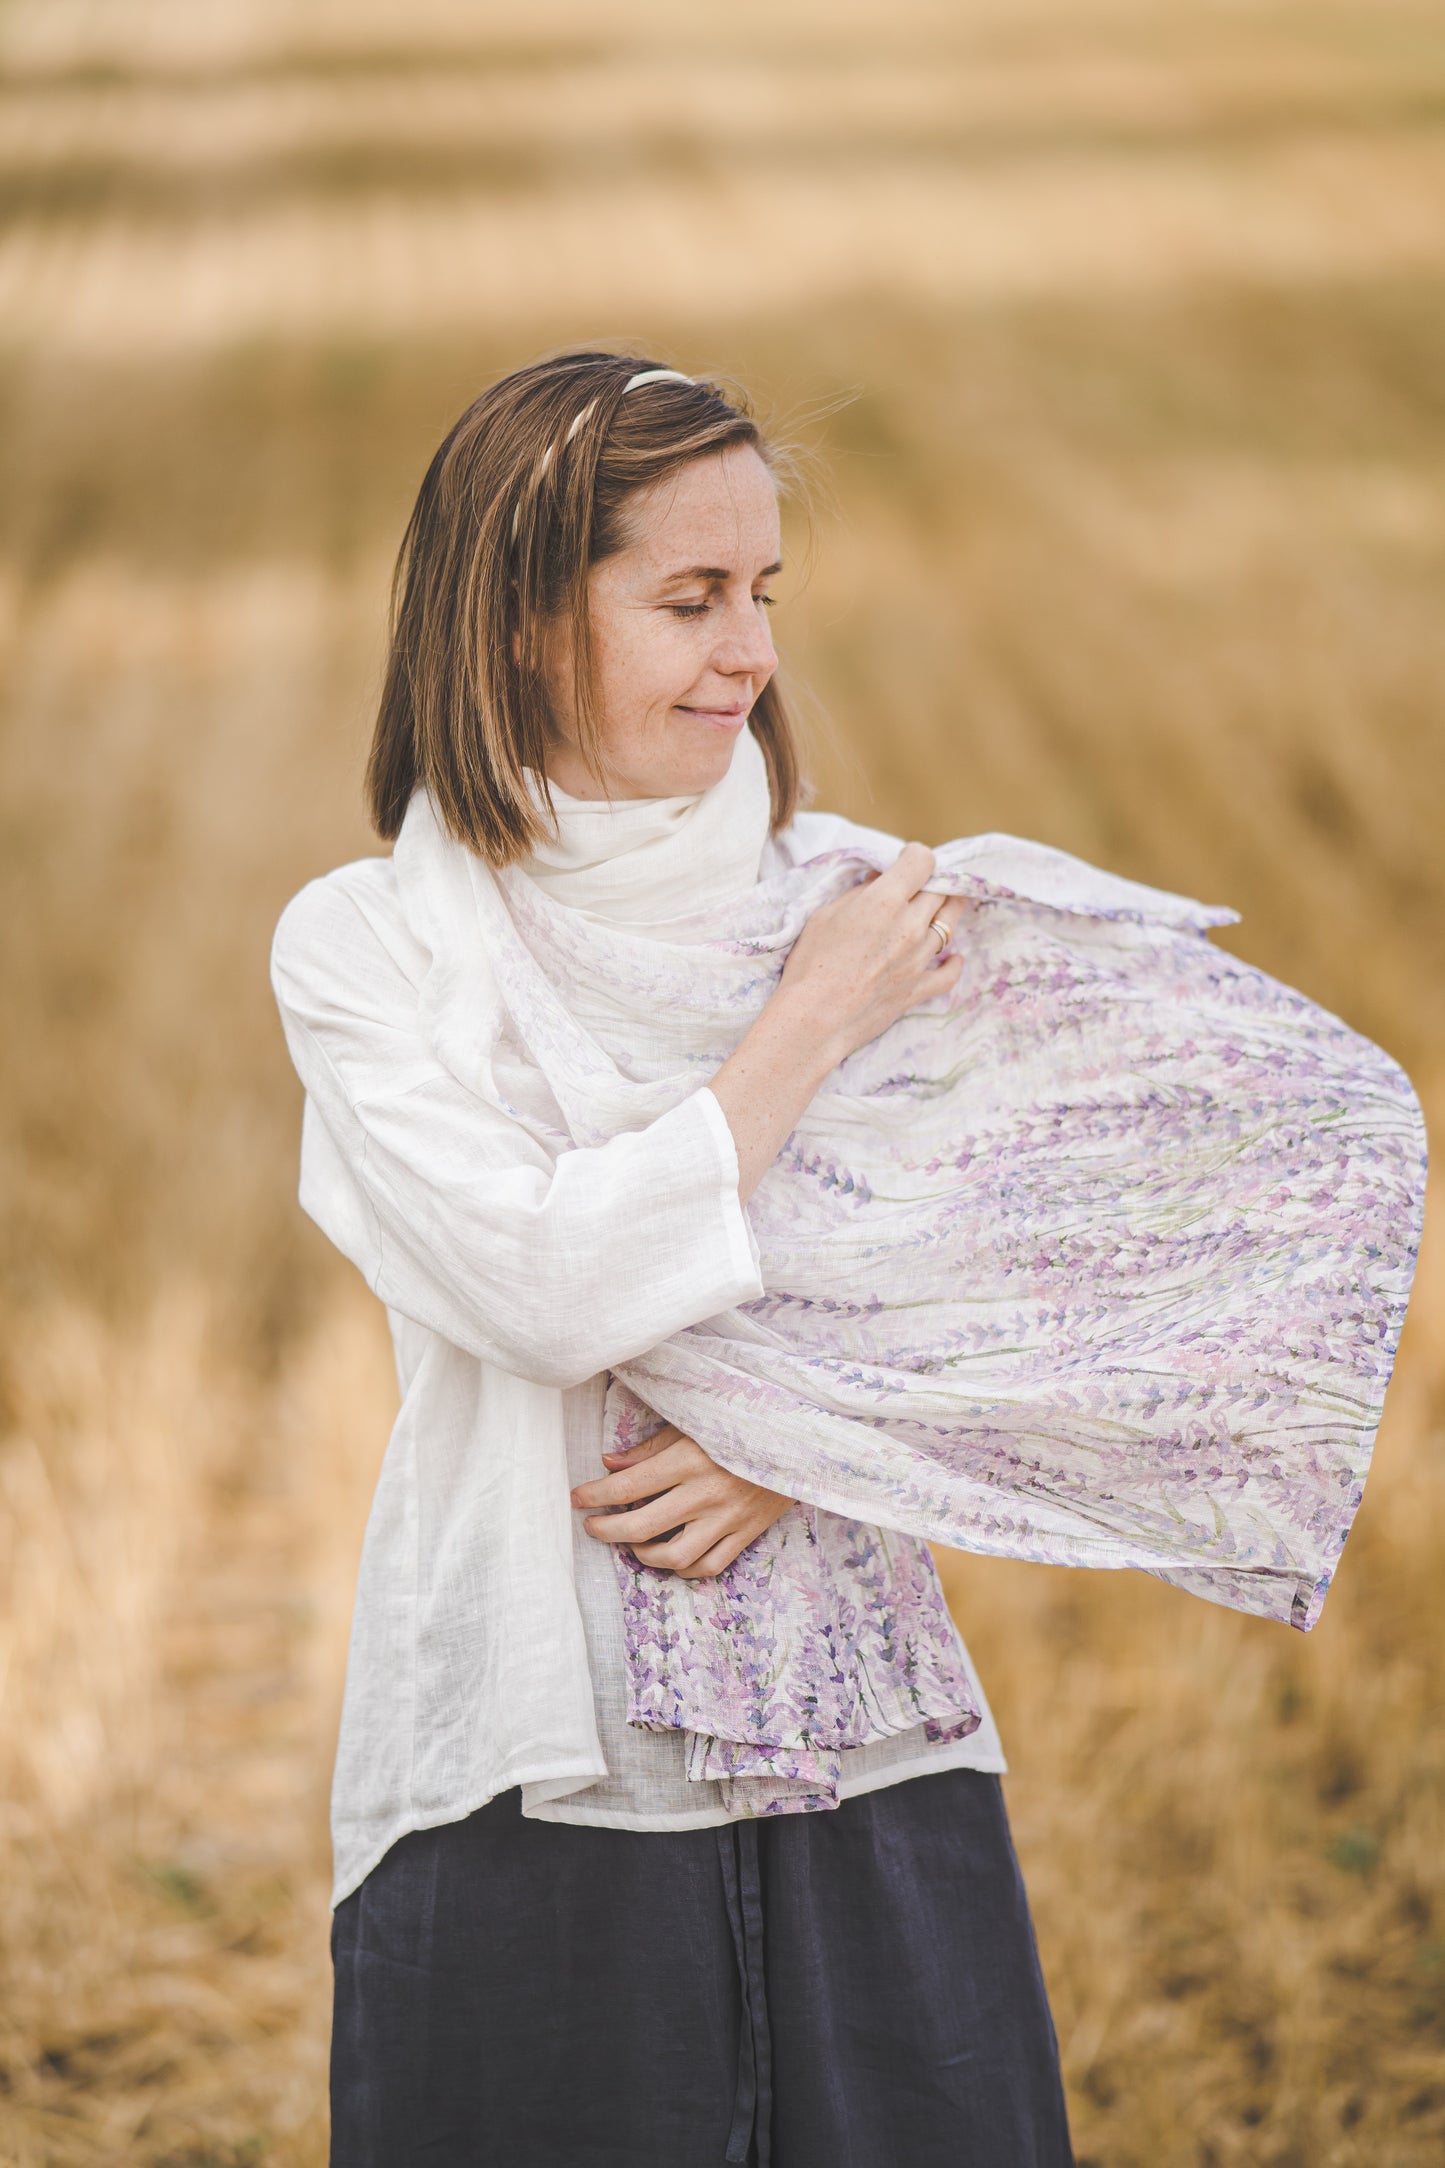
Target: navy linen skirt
[(856, 1989)]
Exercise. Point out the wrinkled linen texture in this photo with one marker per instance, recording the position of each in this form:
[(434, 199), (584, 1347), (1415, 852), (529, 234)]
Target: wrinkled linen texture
[(1099, 1260)]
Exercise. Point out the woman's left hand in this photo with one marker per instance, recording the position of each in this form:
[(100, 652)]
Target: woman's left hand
[(671, 1488)]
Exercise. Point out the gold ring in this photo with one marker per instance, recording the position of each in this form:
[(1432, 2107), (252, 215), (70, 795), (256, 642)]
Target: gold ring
[(944, 936)]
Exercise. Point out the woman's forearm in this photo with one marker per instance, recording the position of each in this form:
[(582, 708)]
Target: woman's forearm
[(765, 1086)]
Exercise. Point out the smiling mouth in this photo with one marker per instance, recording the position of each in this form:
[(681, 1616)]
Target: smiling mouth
[(715, 715)]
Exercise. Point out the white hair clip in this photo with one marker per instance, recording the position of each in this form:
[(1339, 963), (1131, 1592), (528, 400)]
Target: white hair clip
[(577, 424), (643, 376), (655, 376)]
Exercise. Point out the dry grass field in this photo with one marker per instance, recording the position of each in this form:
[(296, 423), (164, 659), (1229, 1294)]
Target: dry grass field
[(1119, 330)]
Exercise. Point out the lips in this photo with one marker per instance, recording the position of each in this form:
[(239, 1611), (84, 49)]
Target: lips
[(725, 718)]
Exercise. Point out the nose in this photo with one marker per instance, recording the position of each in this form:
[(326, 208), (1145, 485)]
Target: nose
[(745, 642)]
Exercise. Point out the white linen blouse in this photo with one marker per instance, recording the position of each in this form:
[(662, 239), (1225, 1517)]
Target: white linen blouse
[(487, 1640)]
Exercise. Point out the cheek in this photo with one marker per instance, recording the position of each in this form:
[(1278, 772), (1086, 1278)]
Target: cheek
[(642, 670)]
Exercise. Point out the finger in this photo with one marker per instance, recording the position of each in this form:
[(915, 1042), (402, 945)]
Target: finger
[(628, 1456), (734, 1531), (932, 903), (682, 1550), (938, 928), (636, 1479), (948, 910), (645, 1523), (717, 1560), (908, 872), (938, 979)]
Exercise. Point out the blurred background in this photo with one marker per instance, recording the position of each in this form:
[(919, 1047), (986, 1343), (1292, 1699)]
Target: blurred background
[(1118, 331)]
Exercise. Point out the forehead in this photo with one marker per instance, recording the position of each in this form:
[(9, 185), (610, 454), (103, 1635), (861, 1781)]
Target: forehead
[(710, 511)]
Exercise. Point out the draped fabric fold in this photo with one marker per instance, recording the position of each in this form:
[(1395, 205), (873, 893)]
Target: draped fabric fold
[(1100, 1260)]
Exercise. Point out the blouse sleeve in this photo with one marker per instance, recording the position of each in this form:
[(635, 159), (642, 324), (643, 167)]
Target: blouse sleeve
[(552, 1267)]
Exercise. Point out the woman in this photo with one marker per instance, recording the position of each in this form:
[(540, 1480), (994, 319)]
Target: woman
[(675, 1836)]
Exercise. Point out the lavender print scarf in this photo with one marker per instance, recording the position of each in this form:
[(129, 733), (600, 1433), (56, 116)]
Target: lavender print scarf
[(1100, 1261)]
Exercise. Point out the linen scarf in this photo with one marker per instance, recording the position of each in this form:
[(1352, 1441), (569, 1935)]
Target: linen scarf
[(1100, 1260)]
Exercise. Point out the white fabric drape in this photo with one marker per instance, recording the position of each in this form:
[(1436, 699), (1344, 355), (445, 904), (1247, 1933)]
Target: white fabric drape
[(1100, 1262), (1103, 1262)]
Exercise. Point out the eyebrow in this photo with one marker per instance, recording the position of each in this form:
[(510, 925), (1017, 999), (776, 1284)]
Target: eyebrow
[(716, 572)]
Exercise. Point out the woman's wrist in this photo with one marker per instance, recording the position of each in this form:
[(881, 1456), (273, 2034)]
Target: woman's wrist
[(795, 1021)]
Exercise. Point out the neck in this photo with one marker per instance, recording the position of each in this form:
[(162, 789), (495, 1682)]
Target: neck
[(568, 772), (649, 859)]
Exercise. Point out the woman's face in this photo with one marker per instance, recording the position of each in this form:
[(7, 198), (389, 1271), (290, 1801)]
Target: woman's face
[(679, 633)]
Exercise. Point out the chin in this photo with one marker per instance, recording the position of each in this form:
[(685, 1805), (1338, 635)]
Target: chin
[(705, 758), (675, 762)]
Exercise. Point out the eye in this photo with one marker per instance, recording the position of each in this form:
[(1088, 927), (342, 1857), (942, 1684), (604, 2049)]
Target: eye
[(769, 602), (687, 610)]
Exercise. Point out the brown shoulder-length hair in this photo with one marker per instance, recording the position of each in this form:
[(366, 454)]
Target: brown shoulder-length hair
[(527, 492)]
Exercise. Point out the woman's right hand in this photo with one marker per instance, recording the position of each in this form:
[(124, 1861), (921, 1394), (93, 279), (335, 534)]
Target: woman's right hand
[(859, 964), (872, 954)]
